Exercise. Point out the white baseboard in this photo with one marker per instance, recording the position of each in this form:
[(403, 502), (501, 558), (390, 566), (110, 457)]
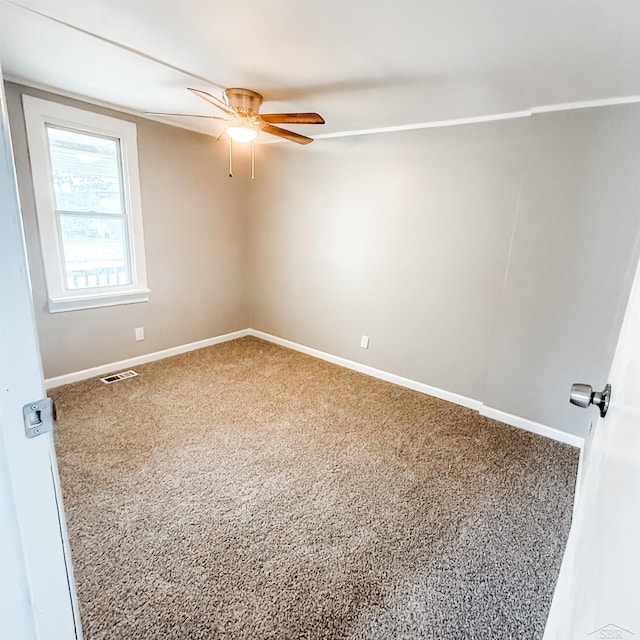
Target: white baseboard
[(455, 398), (371, 371), (111, 367), (477, 405), (533, 427)]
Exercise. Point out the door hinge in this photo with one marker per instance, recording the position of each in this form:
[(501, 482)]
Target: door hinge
[(39, 417)]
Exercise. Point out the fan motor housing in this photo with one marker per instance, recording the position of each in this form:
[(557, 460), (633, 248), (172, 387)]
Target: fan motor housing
[(243, 99)]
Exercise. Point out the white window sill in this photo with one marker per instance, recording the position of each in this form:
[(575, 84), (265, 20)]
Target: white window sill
[(93, 301)]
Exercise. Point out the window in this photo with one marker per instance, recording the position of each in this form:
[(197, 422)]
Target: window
[(87, 191)]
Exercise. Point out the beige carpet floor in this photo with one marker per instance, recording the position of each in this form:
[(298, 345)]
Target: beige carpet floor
[(246, 491)]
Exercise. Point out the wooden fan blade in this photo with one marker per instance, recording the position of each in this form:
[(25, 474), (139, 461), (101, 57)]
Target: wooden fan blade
[(292, 118), (184, 115), (216, 102), (284, 133)]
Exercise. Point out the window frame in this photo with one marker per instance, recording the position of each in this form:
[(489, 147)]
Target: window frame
[(39, 113)]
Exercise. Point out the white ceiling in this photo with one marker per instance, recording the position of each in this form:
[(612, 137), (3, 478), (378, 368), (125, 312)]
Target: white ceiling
[(361, 64)]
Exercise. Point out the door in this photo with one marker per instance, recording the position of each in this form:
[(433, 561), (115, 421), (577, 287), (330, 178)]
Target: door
[(598, 590), (37, 592)]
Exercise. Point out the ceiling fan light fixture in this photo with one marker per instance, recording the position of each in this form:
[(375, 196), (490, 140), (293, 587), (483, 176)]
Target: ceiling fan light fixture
[(242, 129)]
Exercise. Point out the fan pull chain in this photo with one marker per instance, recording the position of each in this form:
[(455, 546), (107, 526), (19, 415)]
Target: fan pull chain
[(253, 160)]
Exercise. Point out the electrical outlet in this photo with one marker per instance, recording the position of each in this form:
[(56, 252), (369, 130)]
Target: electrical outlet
[(139, 333), (364, 342)]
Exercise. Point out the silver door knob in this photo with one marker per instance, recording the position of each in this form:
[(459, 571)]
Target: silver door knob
[(582, 395)]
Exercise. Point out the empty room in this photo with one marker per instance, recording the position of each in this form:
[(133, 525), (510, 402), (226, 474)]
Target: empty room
[(319, 320)]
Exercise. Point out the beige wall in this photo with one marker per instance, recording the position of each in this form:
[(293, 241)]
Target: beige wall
[(405, 237), (194, 227), (402, 237), (575, 248)]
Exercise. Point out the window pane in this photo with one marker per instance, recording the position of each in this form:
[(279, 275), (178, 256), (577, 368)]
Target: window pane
[(95, 252), (85, 171)]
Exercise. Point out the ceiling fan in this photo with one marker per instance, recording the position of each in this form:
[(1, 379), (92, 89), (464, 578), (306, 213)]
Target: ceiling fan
[(244, 121)]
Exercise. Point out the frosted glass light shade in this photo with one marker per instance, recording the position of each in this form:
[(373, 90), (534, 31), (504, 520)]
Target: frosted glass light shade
[(242, 130)]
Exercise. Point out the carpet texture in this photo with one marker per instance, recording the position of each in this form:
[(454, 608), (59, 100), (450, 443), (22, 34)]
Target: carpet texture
[(246, 491)]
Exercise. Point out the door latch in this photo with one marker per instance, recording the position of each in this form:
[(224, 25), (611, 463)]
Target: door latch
[(39, 417)]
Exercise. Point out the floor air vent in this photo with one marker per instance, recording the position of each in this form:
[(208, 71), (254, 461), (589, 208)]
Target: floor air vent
[(119, 376)]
